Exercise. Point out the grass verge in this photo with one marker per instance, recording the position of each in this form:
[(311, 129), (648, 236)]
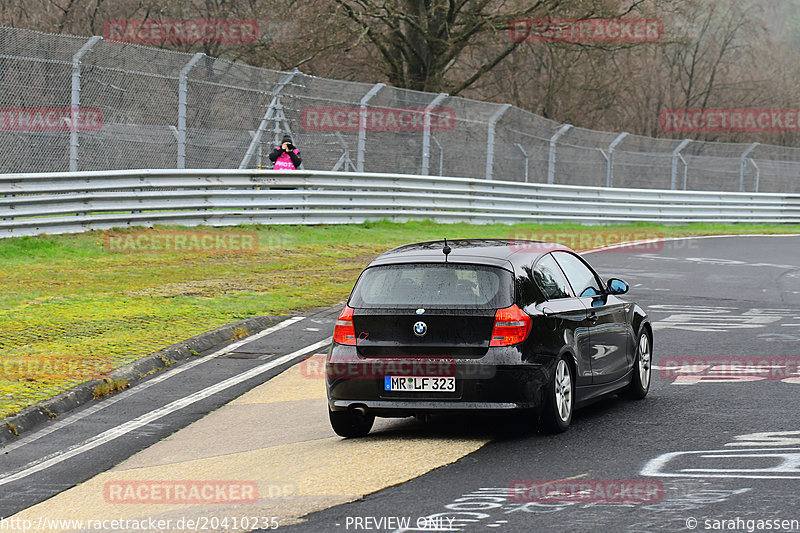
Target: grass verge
[(74, 307)]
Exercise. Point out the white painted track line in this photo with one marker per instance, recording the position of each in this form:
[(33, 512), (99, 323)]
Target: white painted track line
[(168, 373), (131, 425)]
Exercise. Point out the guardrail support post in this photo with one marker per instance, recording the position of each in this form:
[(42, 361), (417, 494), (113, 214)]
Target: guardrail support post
[(525, 159), (362, 125), (76, 101), (426, 132), (676, 155), (743, 164), (551, 160), (490, 139), (182, 90), (276, 99), (610, 158)]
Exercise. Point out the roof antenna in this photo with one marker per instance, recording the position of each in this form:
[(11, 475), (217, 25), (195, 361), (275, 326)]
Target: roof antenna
[(446, 250)]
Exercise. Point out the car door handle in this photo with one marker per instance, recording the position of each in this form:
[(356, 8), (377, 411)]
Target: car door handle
[(592, 319)]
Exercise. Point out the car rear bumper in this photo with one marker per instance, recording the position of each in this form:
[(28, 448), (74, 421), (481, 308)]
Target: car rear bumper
[(493, 383), (395, 408)]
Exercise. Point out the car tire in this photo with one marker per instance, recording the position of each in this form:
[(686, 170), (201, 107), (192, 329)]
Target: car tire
[(560, 398), (350, 424), (642, 368)]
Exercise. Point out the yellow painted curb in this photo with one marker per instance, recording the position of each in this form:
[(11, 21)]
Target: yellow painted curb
[(277, 441)]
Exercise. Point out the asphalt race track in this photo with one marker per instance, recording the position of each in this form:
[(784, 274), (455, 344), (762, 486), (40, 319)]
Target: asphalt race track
[(715, 445)]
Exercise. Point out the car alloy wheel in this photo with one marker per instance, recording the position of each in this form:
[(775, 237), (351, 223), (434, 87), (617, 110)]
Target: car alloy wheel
[(563, 391), (560, 398), (642, 369), (644, 361)]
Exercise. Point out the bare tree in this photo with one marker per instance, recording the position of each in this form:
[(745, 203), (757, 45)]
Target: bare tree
[(419, 42)]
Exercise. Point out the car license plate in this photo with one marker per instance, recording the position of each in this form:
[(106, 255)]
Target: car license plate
[(418, 384)]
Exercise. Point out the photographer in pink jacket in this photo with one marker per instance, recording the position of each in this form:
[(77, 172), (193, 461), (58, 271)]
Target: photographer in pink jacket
[(285, 156)]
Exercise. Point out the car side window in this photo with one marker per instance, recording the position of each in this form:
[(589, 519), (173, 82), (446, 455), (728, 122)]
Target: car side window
[(584, 282), (550, 279)]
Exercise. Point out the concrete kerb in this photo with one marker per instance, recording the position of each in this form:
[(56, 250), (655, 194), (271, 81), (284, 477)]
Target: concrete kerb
[(35, 415)]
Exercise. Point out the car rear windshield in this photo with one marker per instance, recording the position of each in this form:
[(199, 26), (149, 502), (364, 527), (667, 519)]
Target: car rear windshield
[(439, 285)]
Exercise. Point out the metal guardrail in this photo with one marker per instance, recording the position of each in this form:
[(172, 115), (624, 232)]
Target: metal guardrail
[(73, 202)]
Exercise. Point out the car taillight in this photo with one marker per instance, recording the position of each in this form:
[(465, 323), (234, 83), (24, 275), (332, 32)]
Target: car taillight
[(511, 326), (344, 332)]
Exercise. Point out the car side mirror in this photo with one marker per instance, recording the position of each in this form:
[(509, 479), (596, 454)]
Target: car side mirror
[(617, 286)]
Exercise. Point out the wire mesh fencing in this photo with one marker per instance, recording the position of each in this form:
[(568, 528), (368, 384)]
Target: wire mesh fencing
[(75, 103)]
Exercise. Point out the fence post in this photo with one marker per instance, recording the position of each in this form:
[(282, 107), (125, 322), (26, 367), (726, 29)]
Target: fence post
[(676, 155), (426, 132), (441, 153), (757, 175), (76, 101), (276, 98), (362, 125), (182, 89), (490, 139), (525, 159), (551, 161), (610, 158), (685, 171), (743, 164)]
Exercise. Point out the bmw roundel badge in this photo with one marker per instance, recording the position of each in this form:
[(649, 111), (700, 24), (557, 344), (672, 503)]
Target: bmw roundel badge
[(420, 329)]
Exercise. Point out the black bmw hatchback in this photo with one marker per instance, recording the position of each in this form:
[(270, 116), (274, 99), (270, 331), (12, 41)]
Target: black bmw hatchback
[(490, 325)]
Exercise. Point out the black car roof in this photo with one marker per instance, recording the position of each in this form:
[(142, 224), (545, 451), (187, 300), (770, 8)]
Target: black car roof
[(494, 252)]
